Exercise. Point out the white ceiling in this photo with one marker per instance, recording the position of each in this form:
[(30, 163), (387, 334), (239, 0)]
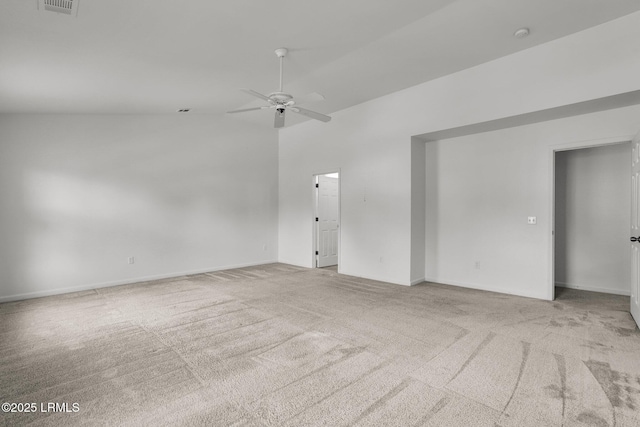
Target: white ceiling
[(156, 56)]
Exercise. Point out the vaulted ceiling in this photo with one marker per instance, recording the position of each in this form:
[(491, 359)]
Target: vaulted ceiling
[(157, 56)]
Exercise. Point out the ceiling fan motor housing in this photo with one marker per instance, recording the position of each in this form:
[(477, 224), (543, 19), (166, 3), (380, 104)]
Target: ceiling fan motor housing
[(280, 97), (281, 52)]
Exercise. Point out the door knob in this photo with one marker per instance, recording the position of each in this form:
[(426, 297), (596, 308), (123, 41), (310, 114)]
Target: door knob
[(635, 239)]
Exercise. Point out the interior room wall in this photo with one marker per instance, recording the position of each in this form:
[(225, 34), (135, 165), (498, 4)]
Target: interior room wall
[(372, 214), (418, 209), (592, 217), (487, 185), (179, 193), (371, 142)]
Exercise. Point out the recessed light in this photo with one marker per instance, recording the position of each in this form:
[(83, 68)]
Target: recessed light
[(521, 33), (183, 110)]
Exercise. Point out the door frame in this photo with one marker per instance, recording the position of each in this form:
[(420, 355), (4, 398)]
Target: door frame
[(314, 207), (553, 149)]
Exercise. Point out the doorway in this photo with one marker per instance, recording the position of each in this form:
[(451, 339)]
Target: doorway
[(326, 245), (591, 215)]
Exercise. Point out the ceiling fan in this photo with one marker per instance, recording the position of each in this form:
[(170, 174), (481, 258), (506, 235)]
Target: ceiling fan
[(281, 101)]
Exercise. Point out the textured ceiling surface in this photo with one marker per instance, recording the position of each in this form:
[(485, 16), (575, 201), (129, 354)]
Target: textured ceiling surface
[(157, 56)]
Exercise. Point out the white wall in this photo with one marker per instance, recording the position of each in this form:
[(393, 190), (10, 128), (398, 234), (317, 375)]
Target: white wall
[(374, 219), (180, 193), (371, 143), (592, 219), (486, 186), (418, 210)]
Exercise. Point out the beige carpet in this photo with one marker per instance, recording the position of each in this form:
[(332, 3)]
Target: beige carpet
[(279, 345)]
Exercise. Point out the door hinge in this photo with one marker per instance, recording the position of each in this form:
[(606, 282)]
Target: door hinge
[(316, 219), (317, 185), (317, 253)]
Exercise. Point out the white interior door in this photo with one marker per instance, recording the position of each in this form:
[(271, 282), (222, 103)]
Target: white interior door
[(635, 229), (327, 221)]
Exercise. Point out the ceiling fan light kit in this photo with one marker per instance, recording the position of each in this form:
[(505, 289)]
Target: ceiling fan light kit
[(281, 101)]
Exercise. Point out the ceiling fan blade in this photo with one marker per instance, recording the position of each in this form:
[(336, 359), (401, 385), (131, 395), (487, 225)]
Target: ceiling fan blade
[(246, 109), (309, 98), (279, 120), (256, 94), (310, 113)]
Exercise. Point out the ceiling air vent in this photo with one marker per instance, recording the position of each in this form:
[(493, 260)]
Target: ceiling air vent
[(68, 7)]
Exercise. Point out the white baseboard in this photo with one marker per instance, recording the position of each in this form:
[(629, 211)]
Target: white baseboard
[(417, 281), (377, 279), (59, 291), (486, 288), (362, 276), (296, 264), (595, 289)]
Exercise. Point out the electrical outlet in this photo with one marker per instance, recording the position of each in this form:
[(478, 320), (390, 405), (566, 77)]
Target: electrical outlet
[(264, 247), (532, 220), (131, 260)]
